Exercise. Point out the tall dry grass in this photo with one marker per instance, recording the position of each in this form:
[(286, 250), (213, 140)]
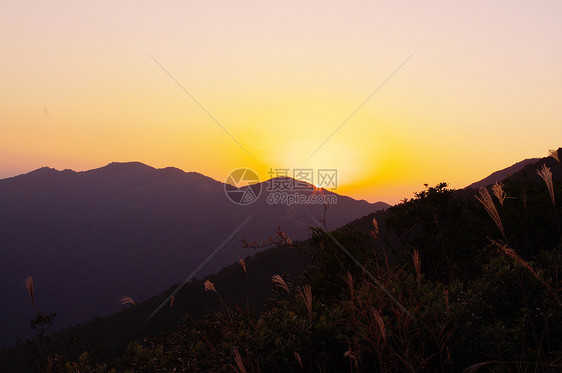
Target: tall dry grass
[(243, 264), (498, 191), (486, 200), (546, 175), (127, 300), (375, 231), (209, 286), (29, 287), (306, 294), (278, 281), (299, 359), (508, 251)]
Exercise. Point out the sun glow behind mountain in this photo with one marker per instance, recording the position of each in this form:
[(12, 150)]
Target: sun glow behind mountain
[(79, 90)]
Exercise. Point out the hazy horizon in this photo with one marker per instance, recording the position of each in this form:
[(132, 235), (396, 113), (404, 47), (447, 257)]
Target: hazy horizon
[(370, 200)]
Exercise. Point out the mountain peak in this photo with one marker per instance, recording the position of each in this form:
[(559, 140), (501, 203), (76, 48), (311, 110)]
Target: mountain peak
[(134, 165), (114, 168), (44, 170)]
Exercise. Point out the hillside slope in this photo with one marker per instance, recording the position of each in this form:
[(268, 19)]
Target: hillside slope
[(88, 238)]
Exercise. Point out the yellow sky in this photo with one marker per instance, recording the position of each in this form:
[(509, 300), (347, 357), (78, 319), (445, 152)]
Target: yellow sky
[(482, 91)]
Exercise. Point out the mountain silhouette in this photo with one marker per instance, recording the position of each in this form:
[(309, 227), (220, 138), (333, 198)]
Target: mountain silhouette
[(502, 174), (88, 238), (252, 288), (524, 171)]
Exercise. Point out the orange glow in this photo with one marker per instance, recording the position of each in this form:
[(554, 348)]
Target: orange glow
[(481, 92)]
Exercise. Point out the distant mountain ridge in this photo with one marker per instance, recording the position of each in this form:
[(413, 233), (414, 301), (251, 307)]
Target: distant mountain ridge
[(90, 237), (518, 170), (502, 174)]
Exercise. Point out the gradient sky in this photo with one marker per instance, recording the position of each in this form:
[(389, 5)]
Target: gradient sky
[(482, 91)]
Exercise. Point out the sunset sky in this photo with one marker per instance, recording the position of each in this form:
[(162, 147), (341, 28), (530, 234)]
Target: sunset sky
[(483, 88)]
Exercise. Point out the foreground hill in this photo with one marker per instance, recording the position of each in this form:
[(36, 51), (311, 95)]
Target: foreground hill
[(434, 286), (441, 282), (88, 238), (108, 337)]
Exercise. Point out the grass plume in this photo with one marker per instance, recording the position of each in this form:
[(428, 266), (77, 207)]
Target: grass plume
[(243, 264), (299, 360), (352, 358), (284, 238), (209, 286), (498, 191), (29, 286), (546, 175), (127, 300), (508, 251), (375, 231), (486, 200), (278, 281)]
